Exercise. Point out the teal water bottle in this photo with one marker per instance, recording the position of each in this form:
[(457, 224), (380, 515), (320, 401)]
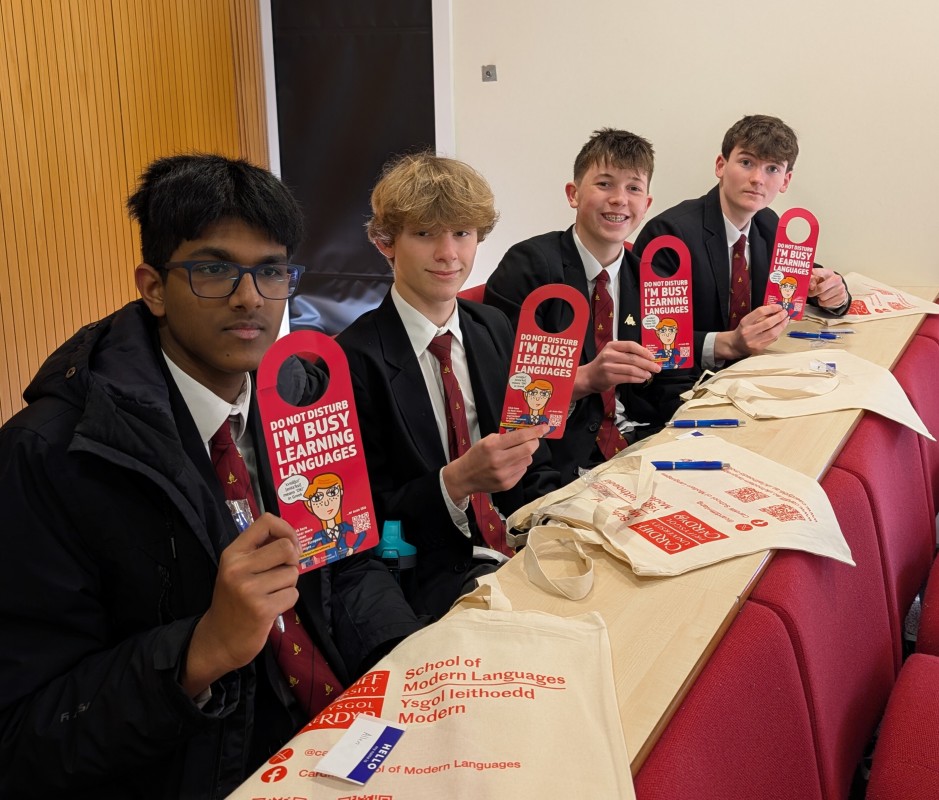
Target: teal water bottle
[(399, 556)]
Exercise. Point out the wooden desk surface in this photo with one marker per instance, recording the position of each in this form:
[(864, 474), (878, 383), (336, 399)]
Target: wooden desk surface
[(663, 630)]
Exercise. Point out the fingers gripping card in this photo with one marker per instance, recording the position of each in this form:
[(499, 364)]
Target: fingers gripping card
[(544, 365), (667, 318), (791, 268), (316, 451)]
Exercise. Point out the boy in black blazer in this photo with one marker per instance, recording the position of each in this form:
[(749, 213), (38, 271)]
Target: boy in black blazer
[(610, 195), (436, 459), (754, 166)]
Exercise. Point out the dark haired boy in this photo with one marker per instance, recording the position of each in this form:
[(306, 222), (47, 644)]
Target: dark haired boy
[(619, 395), (142, 652), (430, 373), (730, 233)]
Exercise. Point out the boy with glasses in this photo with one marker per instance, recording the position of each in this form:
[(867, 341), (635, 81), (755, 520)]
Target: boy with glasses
[(157, 643)]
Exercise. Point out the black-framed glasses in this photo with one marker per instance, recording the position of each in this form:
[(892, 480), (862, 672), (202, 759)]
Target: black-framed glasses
[(217, 279)]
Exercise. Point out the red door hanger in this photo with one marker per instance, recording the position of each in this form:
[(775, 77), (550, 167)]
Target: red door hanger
[(544, 365), (791, 267), (316, 455), (667, 317)]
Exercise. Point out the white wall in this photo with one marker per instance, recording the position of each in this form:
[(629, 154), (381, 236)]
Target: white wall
[(858, 81)]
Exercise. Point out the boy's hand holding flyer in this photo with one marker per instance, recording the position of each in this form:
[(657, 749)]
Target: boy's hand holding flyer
[(316, 455), (544, 365), (791, 267)]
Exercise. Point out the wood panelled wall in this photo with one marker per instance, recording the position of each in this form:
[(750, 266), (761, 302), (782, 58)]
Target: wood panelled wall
[(90, 92)]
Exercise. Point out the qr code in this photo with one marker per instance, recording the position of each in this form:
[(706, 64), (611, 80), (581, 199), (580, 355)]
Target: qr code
[(783, 512), (361, 522), (747, 494)]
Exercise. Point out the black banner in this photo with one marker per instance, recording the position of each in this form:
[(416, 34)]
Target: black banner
[(354, 88)]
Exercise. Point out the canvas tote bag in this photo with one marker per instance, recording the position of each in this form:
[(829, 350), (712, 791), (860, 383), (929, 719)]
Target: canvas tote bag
[(784, 385), (872, 300), (667, 523), (497, 704)]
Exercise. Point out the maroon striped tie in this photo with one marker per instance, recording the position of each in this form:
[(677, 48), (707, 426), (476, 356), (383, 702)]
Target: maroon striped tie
[(311, 680), (609, 439), (491, 525), (739, 283)]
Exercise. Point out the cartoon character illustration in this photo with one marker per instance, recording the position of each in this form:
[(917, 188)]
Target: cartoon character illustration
[(536, 394), (787, 288), (324, 501), (668, 355)]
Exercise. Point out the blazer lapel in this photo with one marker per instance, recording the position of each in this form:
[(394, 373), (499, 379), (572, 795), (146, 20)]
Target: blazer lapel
[(759, 265), (629, 299), (718, 258), (406, 381), (481, 357)]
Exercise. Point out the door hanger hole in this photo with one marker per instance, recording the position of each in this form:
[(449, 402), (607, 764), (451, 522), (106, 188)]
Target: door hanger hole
[(798, 230), (302, 379), (558, 322), (665, 262)]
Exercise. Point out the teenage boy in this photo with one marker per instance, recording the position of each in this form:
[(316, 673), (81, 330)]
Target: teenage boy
[(618, 394), (730, 234), (150, 649), (430, 374)]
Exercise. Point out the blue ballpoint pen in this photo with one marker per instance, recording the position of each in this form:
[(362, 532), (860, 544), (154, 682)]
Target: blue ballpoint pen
[(705, 423), (810, 335), (669, 465)]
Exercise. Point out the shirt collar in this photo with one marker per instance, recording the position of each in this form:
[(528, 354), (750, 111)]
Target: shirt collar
[(732, 233), (593, 267), (421, 330), (209, 410)]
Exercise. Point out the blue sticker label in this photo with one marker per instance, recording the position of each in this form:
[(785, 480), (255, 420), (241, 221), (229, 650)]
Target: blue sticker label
[(382, 747)]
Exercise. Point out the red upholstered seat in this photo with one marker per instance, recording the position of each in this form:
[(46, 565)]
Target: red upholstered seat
[(474, 293), (906, 760), (922, 387), (743, 731), (927, 640), (884, 456), (836, 617), (930, 327)]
